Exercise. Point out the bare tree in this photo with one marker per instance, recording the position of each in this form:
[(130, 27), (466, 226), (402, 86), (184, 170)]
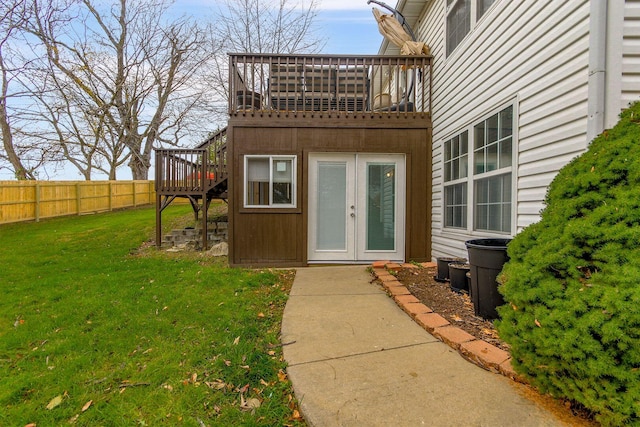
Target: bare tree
[(264, 26), (12, 16), (267, 26), (123, 75), (106, 81)]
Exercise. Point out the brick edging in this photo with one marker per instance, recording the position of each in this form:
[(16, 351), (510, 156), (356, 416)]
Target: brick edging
[(477, 351)]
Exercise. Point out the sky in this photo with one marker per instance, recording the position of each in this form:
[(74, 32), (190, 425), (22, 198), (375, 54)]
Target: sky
[(347, 25)]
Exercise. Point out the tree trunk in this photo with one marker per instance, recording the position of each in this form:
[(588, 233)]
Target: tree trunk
[(7, 136), (139, 168)]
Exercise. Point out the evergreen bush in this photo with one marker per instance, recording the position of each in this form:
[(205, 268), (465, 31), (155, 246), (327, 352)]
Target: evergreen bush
[(572, 284)]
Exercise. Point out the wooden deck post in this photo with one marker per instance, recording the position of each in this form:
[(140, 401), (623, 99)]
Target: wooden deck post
[(158, 221)]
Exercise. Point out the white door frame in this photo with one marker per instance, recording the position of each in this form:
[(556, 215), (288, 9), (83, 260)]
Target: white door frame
[(349, 218)]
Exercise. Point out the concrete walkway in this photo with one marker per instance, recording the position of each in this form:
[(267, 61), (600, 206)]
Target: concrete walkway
[(356, 359)]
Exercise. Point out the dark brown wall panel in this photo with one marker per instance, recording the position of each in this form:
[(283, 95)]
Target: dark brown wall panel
[(280, 237), (269, 238)]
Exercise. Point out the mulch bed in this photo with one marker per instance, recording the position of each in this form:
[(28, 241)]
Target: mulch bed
[(456, 307)]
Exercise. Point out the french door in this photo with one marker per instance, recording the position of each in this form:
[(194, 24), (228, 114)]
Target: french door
[(356, 207)]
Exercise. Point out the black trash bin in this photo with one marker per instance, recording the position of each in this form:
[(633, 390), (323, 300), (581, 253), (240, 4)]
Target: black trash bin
[(486, 259), (443, 267), (458, 277)]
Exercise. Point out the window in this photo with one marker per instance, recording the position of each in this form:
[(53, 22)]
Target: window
[(462, 15), (455, 173), (270, 181), (487, 170), (458, 22), (493, 148), (482, 6)]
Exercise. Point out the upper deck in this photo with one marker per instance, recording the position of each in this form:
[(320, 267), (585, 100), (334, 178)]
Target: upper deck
[(329, 86)]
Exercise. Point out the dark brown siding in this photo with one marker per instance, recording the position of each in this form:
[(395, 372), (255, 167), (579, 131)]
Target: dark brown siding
[(279, 237)]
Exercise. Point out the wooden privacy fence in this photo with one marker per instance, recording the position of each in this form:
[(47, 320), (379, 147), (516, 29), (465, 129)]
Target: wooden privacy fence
[(35, 200)]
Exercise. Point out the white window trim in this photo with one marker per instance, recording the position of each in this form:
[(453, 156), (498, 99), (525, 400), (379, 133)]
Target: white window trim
[(473, 22), (472, 177), (456, 181), (448, 10), (294, 178)]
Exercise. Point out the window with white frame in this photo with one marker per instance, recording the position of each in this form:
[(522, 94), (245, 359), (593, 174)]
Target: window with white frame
[(462, 16), (482, 6), (456, 166), (487, 188), (492, 156), (270, 181), (458, 22)]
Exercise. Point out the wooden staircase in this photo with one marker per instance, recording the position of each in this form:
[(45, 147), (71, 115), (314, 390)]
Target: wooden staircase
[(198, 174)]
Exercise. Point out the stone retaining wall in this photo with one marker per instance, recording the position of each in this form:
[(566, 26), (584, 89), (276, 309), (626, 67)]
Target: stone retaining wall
[(217, 232)]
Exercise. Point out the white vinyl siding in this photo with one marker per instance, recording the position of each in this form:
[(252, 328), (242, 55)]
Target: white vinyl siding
[(630, 81), (535, 53)]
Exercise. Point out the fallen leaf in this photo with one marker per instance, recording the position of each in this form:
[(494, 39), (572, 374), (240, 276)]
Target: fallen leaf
[(247, 367), (261, 315), (31, 425), (296, 415), (236, 341), (457, 318), (250, 404), (264, 383), (227, 362), (537, 323), (56, 401), (282, 376), (216, 385), (87, 405), (244, 389), (167, 387)]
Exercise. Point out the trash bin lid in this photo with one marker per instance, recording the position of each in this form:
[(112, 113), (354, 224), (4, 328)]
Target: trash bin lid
[(488, 244)]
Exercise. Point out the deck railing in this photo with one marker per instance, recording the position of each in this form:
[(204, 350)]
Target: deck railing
[(327, 85), (181, 170)]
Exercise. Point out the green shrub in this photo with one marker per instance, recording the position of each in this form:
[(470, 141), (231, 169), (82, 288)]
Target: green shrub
[(572, 284)]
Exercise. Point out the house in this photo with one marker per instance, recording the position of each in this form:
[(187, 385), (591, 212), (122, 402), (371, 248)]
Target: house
[(339, 159), (519, 89)]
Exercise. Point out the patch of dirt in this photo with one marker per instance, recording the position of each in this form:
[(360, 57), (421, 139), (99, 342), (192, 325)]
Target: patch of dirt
[(456, 307)]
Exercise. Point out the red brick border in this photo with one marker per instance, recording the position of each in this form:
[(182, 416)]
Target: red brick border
[(477, 351)]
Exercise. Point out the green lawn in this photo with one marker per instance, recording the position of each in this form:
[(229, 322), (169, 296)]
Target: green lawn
[(98, 329)]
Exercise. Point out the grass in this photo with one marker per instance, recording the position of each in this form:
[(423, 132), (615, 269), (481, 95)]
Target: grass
[(106, 333)]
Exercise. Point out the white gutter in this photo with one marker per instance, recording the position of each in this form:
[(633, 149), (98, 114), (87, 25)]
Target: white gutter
[(597, 68)]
